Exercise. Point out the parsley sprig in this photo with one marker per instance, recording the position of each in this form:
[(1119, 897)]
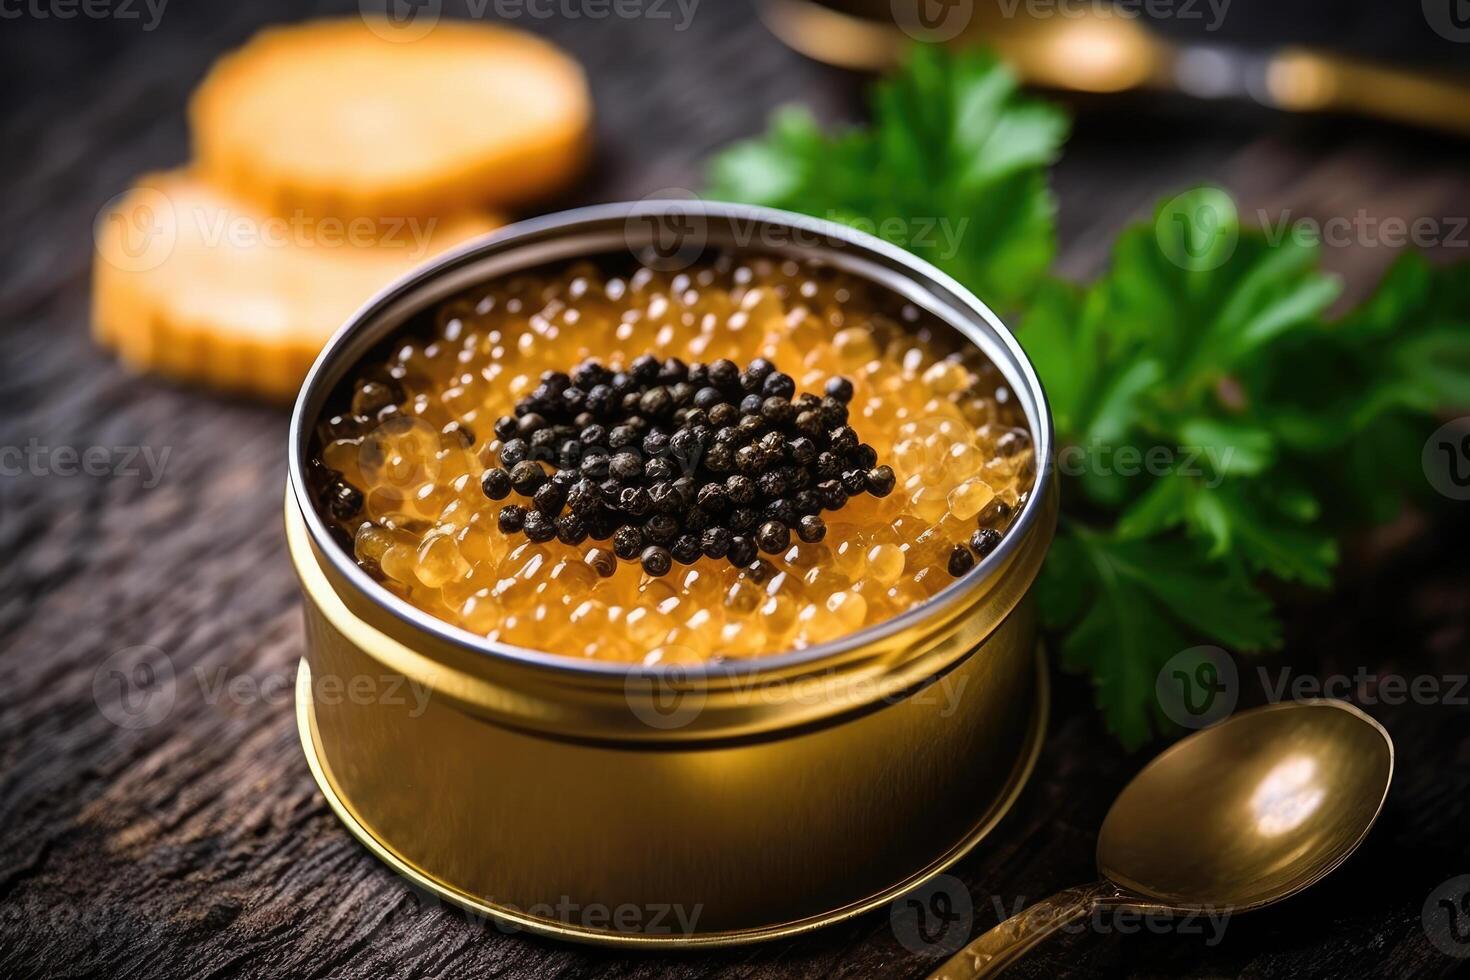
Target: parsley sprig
[(1218, 428)]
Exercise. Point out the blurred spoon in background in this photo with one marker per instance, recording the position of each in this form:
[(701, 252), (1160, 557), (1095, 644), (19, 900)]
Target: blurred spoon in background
[(1087, 50)]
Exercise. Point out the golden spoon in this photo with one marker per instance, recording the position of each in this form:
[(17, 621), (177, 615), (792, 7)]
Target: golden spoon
[(1088, 49), (1229, 819)]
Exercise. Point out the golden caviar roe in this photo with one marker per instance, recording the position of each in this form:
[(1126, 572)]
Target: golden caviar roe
[(402, 462)]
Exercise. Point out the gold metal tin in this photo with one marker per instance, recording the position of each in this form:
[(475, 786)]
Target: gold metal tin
[(716, 804)]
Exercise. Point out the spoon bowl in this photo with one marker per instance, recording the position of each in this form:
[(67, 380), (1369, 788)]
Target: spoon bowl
[(1229, 819), (1250, 811)]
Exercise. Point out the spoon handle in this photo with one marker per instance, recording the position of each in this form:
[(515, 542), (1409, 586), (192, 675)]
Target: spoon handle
[(1008, 941)]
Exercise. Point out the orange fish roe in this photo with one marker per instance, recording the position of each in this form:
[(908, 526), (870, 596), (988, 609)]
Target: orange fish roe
[(400, 468)]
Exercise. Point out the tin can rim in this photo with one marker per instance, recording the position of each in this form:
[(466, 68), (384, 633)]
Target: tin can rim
[(887, 264)]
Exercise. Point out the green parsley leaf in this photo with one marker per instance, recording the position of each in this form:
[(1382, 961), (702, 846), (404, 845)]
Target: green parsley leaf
[(1140, 603), (1216, 428), (952, 168)]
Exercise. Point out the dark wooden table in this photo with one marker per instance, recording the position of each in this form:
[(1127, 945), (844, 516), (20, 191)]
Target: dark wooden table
[(199, 847)]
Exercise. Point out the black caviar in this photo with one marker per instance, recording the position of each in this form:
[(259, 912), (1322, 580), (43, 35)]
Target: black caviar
[(677, 461)]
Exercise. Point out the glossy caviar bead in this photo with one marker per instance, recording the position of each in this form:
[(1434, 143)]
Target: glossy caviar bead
[(660, 529), (960, 560), (627, 542), (840, 389), (771, 484), (984, 541), (584, 499), (773, 537), (811, 529), (686, 549), (506, 427), (782, 510), (776, 410), (843, 439), (720, 459), (831, 494), (570, 529), (743, 520), (495, 483), (724, 374), (526, 477), (809, 423), (712, 498), (665, 499), (539, 527), (854, 481), (344, 500), (373, 396), (514, 451), (512, 518), (715, 542), (635, 502), (656, 560), (995, 513), (625, 467), (778, 385), (742, 551), (740, 489), (881, 481), (550, 498), (807, 501), (601, 525)]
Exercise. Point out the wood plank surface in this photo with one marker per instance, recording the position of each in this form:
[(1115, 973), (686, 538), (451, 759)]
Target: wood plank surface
[(198, 847)]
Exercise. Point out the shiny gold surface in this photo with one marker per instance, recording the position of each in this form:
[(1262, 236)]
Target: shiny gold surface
[(1087, 51), (510, 916), (804, 800), (713, 803), (1227, 820)]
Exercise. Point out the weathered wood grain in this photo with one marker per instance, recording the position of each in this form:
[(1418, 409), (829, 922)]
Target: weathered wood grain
[(199, 847)]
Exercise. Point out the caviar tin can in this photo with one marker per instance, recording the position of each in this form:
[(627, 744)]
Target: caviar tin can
[(721, 803)]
